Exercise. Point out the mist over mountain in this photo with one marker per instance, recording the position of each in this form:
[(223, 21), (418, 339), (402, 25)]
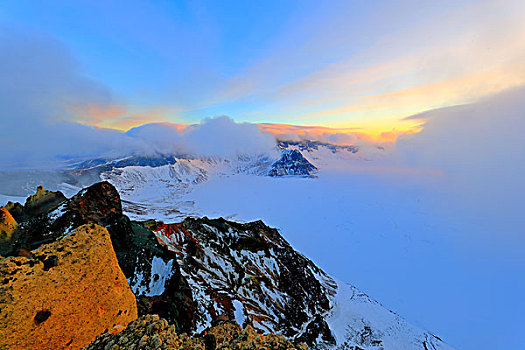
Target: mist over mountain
[(423, 213)]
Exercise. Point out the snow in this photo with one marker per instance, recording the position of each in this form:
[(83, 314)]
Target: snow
[(354, 311), (398, 234), (58, 212), (164, 271), (239, 312), (156, 285), (393, 235)]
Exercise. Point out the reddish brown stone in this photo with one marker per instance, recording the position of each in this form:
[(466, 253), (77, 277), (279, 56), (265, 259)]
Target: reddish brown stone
[(68, 294)]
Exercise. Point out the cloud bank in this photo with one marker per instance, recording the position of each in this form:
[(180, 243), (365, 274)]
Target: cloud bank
[(40, 82), (41, 87), (215, 137), (481, 149)]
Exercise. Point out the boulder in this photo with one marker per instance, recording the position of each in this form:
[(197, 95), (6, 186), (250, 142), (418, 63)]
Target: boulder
[(7, 224), (65, 294)]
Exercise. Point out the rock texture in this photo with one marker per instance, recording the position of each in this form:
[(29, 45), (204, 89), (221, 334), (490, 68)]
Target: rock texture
[(136, 247), (309, 146), (65, 294), (201, 272), (48, 216), (249, 273), (42, 201), (7, 224), (152, 332)]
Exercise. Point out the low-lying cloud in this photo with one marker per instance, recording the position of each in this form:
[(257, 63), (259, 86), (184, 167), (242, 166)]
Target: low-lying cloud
[(40, 82), (215, 137), (41, 87), (481, 149)]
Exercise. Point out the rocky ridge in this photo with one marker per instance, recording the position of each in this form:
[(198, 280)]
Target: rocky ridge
[(200, 272), (151, 332), (249, 273)]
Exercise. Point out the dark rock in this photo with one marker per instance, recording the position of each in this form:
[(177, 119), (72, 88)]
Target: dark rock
[(292, 162), (41, 316), (308, 146), (250, 266)]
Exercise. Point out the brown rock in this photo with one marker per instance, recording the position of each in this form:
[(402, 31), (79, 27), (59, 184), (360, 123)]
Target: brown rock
[(153, 332), (42, 201), (68, 294), (7, 224)]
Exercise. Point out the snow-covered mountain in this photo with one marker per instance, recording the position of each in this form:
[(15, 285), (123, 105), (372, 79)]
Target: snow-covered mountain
[(172, 176), (201, 271), (158, 185)]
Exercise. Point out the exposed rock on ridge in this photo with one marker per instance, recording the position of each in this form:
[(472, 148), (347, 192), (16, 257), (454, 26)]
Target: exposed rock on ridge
[(65, 294), (137, 249), (201, 272), (249, 273), (292, 162), (150, 332), (7, 224)]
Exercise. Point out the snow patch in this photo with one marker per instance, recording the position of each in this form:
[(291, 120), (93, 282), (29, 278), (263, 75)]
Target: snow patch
[(239, 312), (160, 272)]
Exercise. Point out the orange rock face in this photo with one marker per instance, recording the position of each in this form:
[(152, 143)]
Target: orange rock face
[(7, 224), (65, 295)]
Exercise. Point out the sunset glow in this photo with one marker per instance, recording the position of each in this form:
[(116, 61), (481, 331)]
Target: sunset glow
[(361, 69)]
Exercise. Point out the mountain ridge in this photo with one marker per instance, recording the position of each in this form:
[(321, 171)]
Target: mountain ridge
[(202, 270)]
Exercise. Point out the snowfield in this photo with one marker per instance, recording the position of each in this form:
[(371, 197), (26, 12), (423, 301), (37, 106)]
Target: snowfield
[(400, 235)]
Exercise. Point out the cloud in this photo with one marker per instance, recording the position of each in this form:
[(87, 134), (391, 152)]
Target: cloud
[(40, 82), (481, 149), (217, 137), (42, 90), (426, 56)]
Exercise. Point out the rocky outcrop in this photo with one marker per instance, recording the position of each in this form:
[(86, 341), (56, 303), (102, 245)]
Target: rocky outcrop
[(151, 332), (249, 273), (42, 201), (7, 224), (292, 162), (199, 273), (63, 295), (48, 216), (309, 146), (138, 251)]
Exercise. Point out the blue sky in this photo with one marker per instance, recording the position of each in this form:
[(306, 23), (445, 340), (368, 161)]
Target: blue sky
[(362, 64)]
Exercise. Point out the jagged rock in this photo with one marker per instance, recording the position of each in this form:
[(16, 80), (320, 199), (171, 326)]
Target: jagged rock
[(48, 216), (42, 201), (154, 276), (138, 251), (203, 272), (65, 294), (152, 332), (292, 162), (7, 224), (249, 273)]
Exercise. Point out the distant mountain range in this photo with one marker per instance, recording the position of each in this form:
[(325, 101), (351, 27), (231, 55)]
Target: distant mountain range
[(144, 181)]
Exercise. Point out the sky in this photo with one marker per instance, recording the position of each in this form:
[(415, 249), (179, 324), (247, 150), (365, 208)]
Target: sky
[(357, 65), (443, 79)]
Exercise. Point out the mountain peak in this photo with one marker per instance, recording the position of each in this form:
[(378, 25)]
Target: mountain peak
[(292, 162)]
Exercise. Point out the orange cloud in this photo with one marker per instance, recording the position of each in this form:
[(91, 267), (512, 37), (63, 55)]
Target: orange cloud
[(129, 120), (336, 135), (96, 113)]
